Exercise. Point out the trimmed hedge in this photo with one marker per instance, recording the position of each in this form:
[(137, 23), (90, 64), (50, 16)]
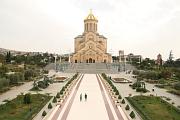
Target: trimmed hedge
[(44, 113), (132, 115), (127, 107), (49, 106)]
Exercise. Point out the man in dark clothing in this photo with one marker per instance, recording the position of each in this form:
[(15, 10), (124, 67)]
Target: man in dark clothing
[(85, 96)]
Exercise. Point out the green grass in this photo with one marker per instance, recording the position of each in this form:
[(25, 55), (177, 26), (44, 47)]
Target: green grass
[(154, 108), (17, 110)]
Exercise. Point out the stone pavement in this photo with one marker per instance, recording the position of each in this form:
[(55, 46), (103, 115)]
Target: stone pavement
[(94, 107), (97, 106)]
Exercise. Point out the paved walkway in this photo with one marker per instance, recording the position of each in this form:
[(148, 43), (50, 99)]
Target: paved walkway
[(94, 107), (97, 106), (11, 94)]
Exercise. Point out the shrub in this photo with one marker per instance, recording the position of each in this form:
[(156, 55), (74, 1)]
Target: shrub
[(160, 86), (176, 92), (27, 98), (117, 92), (54, 100), (123, 101), (49, 106), (168, 99), (141, 90), (136, 84), (127, 107), (58, 95), (132, 115), (61, 92), (136, 72), (41, 84), (44, 113), (177, 86), (119, 97)]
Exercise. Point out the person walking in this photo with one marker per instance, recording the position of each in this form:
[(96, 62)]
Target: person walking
[(85, 97), (80, 97)]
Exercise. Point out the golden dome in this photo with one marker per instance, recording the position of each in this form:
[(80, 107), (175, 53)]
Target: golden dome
[(90, 16)]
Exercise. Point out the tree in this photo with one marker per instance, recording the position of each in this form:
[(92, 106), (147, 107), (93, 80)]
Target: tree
[(165, 74), (13, 78), (49, 106), (54, 100), (2, 58), (3, 70), (44, 113), (117, 92), (119, 97), (127, 107), (27, 98), (8, 57), (28, 74), (4, 82), (132, 115), (123, 101), (58, 95)]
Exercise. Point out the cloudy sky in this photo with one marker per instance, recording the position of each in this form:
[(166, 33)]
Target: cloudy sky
[(145, 27)]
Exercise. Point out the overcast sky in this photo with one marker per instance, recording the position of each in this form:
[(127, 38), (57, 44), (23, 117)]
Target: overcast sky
[(145, 27)]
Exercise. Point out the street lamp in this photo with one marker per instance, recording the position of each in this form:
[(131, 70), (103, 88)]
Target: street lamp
[(55, 62), (124, 63)]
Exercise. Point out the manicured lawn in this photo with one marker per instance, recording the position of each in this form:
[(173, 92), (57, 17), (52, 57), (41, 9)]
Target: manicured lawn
[(154, 108), (17, 110)]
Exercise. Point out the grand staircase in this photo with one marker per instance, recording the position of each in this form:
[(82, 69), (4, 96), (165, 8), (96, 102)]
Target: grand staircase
[(92, 68), (88, 68)]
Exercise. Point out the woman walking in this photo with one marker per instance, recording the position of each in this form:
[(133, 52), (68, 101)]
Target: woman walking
[(80, 97)]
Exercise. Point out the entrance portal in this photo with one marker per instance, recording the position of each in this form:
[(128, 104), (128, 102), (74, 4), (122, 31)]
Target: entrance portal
[(90, 60)]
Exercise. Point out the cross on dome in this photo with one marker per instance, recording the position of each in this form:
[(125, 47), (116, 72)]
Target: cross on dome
[(91, 16)]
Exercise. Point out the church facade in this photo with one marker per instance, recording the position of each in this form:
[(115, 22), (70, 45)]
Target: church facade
[(90, 47)]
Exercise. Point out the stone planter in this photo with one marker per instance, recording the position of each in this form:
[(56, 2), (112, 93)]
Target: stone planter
[(118, 103), (61, 96), (114, 98)]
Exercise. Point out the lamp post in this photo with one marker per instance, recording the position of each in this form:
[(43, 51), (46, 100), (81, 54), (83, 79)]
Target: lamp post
[(55, 62), (124, 63)]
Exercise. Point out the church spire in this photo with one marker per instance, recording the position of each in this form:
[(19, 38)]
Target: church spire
[(90, 23)]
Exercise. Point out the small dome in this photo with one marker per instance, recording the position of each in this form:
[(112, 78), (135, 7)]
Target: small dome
[(90, 16)]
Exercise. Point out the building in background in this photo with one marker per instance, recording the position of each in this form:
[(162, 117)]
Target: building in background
[(121, 55), (159, 60), (131, 58)]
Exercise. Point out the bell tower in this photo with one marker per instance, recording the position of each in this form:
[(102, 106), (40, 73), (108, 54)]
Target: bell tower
[(90, 23)]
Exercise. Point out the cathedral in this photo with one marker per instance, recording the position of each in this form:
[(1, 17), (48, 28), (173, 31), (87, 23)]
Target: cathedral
[(90, 47)]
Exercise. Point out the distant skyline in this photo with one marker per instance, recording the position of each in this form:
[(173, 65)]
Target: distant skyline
[(146, 27)]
